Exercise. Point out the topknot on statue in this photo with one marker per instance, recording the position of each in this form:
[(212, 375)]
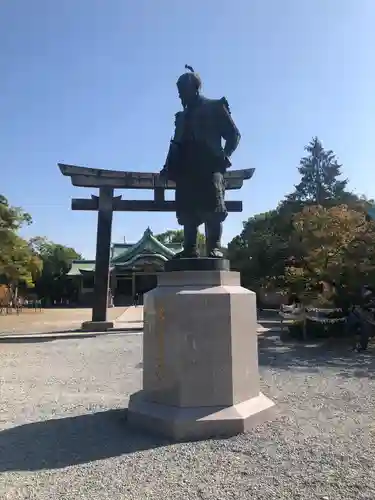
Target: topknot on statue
[(191, 78)]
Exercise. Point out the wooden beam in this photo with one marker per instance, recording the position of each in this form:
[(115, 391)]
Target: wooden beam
[(70, 170), (85, 204), (128, 182), (159, 195), (141, 205), (103, 252), (134, 183), (94, 177)]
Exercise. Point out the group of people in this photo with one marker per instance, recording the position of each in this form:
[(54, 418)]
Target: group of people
[(360, 319)]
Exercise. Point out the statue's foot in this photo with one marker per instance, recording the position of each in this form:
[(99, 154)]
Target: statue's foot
[(215, 253), (187, 254)]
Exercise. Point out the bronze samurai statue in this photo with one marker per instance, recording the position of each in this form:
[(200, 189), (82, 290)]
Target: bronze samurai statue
[(197, 161)]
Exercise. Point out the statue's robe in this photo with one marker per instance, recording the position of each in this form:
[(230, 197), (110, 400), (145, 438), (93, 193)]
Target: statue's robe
[(196, 160)]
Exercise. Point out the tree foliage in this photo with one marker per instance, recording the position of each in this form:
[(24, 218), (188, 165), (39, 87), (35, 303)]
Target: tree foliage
[(12, 218), (176, 236), (37, 263), (56, 258), (259, 251), (318, 235), (53, 282), (333, 246), (18, 263), (320, 172)]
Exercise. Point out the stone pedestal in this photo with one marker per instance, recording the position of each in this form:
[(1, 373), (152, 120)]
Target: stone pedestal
[(96, 326), (200, 358)]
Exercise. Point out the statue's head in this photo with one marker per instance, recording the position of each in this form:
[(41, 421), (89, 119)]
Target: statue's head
[(188, 86)]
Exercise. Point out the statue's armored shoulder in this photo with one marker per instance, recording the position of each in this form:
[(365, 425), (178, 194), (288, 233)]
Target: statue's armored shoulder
[(223, 102), (217, 104)]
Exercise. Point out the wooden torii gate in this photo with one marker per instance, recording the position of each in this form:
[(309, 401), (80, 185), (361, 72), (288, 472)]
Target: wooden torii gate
[(106, 203)]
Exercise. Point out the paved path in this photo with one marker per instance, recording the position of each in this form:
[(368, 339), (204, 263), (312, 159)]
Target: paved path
[(50, 320), (130, 319)]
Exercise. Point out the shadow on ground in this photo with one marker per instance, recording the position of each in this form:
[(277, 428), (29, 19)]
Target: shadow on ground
[(313, 356), (58, 443)]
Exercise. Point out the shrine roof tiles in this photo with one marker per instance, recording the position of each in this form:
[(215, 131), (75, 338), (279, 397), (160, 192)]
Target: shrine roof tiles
[(123, 254)]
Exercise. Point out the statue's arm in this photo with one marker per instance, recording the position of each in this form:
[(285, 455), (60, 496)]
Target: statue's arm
[(170, 160), (173, 153), (229, 130)]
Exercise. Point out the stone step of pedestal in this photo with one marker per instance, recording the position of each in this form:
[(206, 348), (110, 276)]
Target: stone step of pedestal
[(187, 424)]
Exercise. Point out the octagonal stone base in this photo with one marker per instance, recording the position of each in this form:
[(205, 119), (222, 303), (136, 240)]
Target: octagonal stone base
[(188, 424), (200, 358)]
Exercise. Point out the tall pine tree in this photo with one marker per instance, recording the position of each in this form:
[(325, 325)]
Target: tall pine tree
[(320, 172)]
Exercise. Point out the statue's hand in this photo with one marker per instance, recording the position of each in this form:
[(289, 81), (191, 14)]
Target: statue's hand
[(227, 162)]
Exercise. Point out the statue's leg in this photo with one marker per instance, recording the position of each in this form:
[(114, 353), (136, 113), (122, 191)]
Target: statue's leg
[(214, 229), (214, 219), (190, 226), (190, 239), (187, 218)]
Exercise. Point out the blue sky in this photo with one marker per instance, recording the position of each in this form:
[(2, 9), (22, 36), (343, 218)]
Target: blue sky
[(92, 82)]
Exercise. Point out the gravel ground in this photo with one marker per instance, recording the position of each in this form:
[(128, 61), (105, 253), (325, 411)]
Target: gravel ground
[(64, 435)]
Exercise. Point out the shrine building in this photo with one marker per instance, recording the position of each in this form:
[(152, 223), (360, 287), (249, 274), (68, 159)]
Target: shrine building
[(133, 269)]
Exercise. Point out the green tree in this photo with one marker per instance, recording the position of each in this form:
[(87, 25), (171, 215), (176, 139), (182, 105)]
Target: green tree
[(318, 234), (12, 218), (320, 172), (333, 246), (18, 263), (53, 282), (176, 236), (260, 251)]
